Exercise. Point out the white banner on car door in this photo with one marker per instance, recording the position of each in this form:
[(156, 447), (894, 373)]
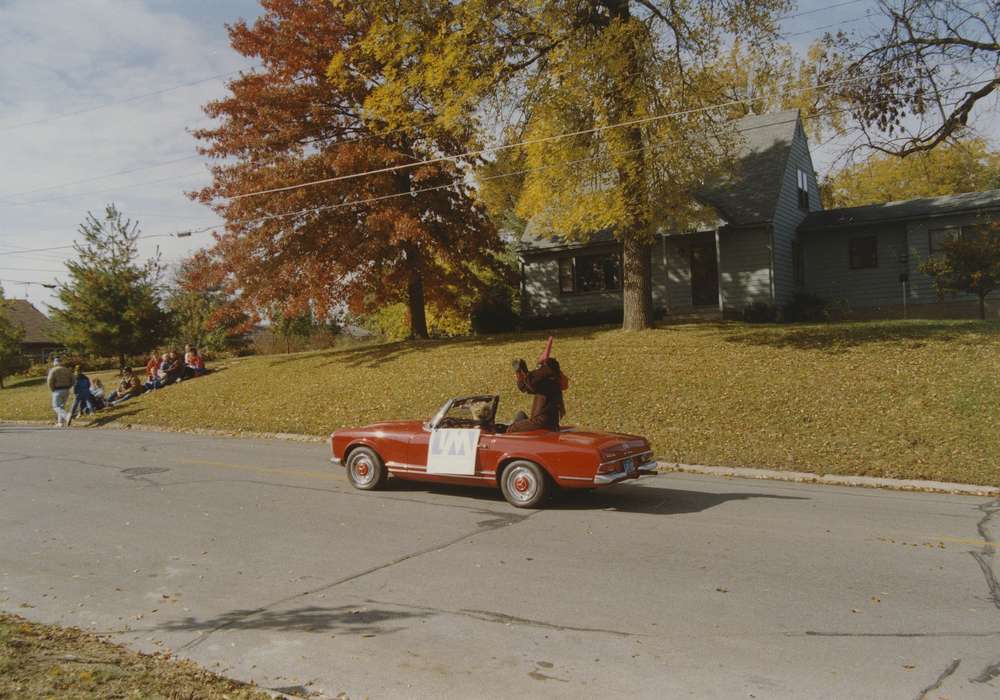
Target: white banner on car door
[(453, 451)]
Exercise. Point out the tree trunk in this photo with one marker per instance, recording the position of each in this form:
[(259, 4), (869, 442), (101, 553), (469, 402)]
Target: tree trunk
[(415, 293), (637, 286), (637, 271), (982, 307), (121, 360)]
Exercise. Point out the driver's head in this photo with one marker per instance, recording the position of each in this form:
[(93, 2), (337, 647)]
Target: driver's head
[(552, 363), (480, 411)]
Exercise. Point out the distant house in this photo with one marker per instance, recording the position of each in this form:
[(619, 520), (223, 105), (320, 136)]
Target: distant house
[(772, 240), (39, 332)]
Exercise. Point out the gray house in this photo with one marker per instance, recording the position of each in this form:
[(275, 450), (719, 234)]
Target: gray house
[(867, 257), (748, 257), (773, 239)]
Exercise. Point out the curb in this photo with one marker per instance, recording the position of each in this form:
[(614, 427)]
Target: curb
[(208, 432), (871, 482)]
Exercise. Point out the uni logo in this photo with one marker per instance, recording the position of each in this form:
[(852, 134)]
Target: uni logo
[(454, 443)]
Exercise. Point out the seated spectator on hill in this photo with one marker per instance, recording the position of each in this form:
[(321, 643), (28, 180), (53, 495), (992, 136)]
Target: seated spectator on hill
[(194, 363), (187, 354), (128, 386), (97, 393), (83, 401), (171, 369), (152, 369)]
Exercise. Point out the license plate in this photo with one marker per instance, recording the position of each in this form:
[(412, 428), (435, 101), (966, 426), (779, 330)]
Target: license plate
[(629, 466)]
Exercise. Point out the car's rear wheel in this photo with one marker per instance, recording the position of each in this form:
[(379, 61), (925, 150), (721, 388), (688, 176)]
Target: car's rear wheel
[(524, 484), (365, 469)]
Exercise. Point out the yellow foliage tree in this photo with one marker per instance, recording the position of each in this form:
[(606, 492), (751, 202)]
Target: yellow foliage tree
[(532, 71), (962, 166)]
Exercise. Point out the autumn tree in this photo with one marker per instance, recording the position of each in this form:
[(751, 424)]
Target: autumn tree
[(410, 235), (758, 80), (918, 75), (11, 335), (200, 313), (110, 306), (603, 71), (968, 264), (962, 166)]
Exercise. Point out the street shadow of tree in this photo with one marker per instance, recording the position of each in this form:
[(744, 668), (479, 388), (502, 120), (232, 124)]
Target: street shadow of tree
[(111, 415), (839, 337), (623, 498), (375, 354), (343, 619)]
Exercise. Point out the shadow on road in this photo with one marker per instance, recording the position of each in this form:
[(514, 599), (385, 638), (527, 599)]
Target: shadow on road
[(652, 500), (344, 619), (624, 498)]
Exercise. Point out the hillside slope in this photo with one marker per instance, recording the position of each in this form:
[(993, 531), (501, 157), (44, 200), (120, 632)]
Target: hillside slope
[(916, 399)]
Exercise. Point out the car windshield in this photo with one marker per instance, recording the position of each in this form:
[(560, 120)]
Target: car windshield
[(467, 412)]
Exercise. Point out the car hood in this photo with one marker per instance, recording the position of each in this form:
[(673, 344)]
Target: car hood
[(390, 426)]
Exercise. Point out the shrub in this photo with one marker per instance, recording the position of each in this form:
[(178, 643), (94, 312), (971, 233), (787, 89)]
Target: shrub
[(807, 308), (495, 312), (760, 312)]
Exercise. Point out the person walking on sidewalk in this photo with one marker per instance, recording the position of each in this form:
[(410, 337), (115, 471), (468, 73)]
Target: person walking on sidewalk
[(60, 380)]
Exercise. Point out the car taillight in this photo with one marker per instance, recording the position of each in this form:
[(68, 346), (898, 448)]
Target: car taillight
[(607, 467)]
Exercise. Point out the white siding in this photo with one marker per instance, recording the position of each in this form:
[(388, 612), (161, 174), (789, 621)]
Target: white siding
[(918, 245), (828, 273), (745, 267), (788, 215), (541, 291)]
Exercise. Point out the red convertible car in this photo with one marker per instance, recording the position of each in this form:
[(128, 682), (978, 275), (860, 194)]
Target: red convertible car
[(462, 444)]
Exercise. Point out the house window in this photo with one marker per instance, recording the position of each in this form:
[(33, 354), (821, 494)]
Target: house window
[(863, 252), (590, 273), (798, 265), (937, 236), (802, 183), (566, 275)]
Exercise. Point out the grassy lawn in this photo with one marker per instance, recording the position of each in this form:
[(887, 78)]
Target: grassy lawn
[(42, 661), (916, 399)]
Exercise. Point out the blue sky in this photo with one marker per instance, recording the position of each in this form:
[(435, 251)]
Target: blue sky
[(65, 56)]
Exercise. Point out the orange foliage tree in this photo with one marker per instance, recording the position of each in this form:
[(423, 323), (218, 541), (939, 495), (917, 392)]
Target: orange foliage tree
[(321, 247)]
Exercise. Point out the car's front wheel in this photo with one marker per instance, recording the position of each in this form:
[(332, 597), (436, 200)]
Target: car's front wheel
[(524, 484), (365, 469)]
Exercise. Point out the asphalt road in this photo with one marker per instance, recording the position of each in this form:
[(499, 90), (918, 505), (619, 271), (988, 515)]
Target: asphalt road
[(258, 560)]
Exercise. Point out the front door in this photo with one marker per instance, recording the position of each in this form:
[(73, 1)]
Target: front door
[(704, 274)]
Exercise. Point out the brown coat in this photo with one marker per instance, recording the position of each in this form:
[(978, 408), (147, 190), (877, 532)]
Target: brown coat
[(547, 408)]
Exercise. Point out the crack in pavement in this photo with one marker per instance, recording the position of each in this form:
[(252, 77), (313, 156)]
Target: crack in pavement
[(504, 520), (952, 667), (989, 673), (504, 619), (984, 557)]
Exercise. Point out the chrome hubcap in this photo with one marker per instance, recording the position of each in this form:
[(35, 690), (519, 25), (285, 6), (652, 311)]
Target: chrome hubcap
[(362, 469), (522, 484)]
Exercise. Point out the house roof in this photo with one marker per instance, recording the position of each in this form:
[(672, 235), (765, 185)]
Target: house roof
[(746, 196), (749, 194), (37, 326), (902, 210)]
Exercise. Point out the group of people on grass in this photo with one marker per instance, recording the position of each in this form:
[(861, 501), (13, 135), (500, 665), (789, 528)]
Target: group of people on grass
[(88, 394)]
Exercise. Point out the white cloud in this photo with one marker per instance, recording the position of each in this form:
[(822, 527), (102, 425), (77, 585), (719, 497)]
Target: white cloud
[(62, 56)]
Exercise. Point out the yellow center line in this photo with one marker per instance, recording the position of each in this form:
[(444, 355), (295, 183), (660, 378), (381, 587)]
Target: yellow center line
[(327, 476)]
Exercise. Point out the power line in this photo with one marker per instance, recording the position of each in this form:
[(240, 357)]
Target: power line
[(553, 137), (112, 103), (128, 171), (106, 189), (37, 284), (820, 9)]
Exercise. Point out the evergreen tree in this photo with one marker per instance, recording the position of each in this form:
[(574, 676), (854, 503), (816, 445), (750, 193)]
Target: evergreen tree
[(111, 304), (11, 335)]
